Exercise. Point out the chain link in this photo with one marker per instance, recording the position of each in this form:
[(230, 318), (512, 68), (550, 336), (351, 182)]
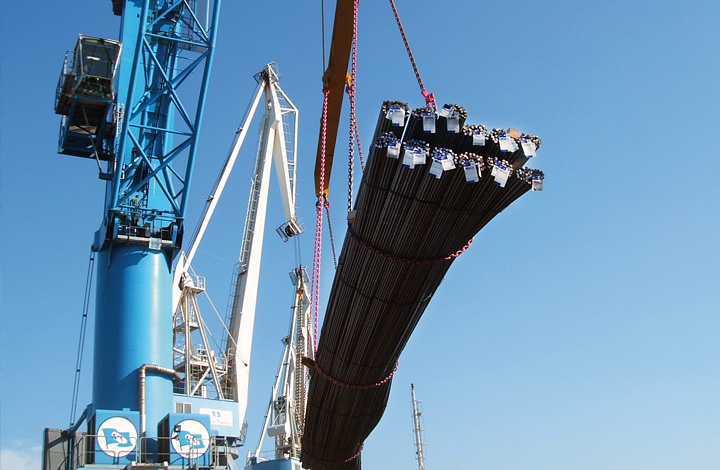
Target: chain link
[(429, 97), (340, 462), (330, 231), (353, 121), (354, 386), (372, 249), (317, 254)]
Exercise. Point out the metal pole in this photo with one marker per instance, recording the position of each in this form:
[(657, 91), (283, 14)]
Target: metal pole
[(417, 430)]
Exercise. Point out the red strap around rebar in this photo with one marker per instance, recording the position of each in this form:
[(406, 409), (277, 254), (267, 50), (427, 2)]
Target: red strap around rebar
[(429, 97), (354, 386), (377, 251), (339, 462), (362, 446)]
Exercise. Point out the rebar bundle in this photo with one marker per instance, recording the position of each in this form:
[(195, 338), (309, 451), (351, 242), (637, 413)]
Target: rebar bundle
[(430, 185)]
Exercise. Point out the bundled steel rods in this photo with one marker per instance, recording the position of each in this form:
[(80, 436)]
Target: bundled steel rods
[(430, 185)]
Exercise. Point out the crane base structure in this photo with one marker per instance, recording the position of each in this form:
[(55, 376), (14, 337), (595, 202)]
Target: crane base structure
[(207, 398), (127, 105)]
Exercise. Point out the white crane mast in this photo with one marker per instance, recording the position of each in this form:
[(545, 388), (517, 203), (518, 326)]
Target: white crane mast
[(417, 430), (228, 371), (244, 298), (186, 258), (284, 420)]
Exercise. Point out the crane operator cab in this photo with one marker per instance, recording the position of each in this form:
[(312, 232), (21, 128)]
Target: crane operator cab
[(84, 97)]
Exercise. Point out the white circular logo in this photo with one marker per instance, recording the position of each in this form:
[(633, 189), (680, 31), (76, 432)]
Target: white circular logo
[(190, 438), (117, 436)]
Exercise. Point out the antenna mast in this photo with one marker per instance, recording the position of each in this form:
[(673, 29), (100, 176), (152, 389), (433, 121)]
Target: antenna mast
[(418, 430)]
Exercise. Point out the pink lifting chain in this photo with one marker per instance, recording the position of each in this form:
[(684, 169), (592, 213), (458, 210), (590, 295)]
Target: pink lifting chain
[(354, 386), (371, 248)]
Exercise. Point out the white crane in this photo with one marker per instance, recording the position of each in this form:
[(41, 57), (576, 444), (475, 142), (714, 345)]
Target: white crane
[(284, 420), (227, 372)]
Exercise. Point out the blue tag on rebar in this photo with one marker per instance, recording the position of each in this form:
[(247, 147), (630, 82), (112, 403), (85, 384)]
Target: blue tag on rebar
[(501, 173), (478, 137), (506, 143), (397, 115), (445, 157), (436, 169), (537, 184), (393, 149), (428, 120), (471, 172), (528, 148), (409, 157)]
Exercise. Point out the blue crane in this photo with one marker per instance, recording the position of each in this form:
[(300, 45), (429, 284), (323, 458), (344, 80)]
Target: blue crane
[(135, 106)]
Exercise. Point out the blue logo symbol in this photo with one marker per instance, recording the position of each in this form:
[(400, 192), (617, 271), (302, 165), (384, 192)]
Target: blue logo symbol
[(194, 441), (119, 439)]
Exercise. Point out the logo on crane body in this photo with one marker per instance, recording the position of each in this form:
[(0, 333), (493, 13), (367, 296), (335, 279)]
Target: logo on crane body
[(190, 438), (117, 436)]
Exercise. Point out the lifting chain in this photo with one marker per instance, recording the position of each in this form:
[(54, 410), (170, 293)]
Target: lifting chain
[(317, 253), (354, 133), (330, 231), (429, 97)]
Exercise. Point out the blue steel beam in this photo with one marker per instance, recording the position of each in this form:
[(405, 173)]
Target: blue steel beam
[(134, 301), (152, 98)]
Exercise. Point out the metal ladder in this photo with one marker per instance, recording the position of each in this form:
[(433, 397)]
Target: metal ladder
[(241, 265)]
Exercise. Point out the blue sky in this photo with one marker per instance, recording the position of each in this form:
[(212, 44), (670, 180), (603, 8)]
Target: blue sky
[(579, 331)]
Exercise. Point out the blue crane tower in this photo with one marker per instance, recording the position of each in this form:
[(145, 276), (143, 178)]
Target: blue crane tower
[(135, 106)]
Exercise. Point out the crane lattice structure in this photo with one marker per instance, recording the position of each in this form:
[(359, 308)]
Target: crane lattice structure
[(285, 418), (131, 106), (418, 431), (226, 372)]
